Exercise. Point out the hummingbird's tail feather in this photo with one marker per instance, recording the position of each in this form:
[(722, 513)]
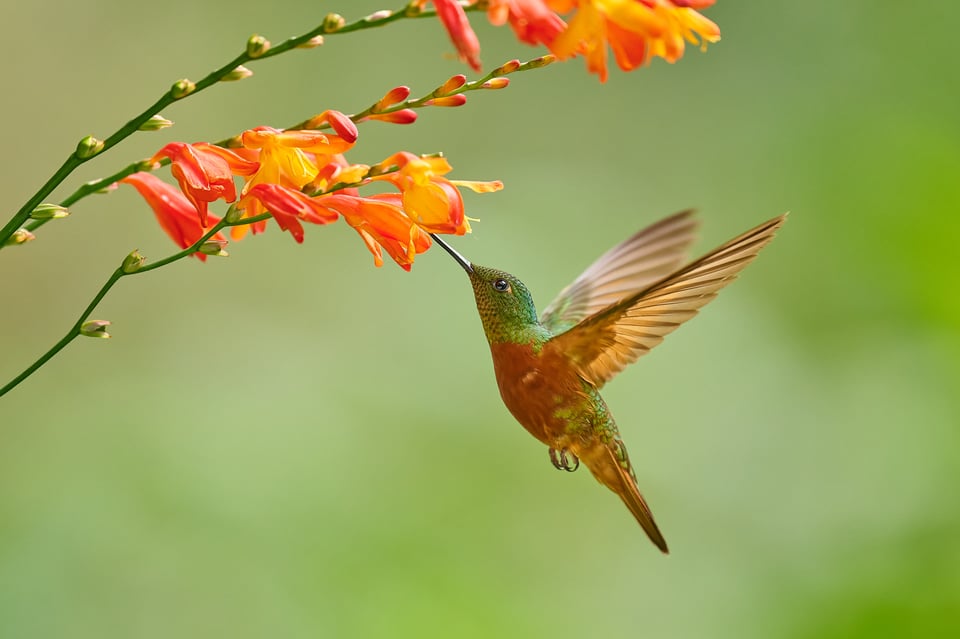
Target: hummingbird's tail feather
[(606, 465)]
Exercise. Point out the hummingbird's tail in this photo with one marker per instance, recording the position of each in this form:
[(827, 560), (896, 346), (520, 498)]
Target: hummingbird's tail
[(610, 465)]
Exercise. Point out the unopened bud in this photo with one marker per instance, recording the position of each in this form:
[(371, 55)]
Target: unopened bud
[(214, 247), (496, 83), (505, 68), (20, 236), (147, 165), (155, 123), (542, 61), (49, 211), (312, 43), (340, 123), (239, 73), (450, 85), (257, 45), (95, 328), (403, 116), (379, 15), (133, 262), (333, 22), (449, 101), (393, 96), (233, 214), (88, 147), (182, 88)]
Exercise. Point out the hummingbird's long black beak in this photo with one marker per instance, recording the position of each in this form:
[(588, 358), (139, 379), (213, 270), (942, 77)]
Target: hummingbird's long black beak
[(461, 260)]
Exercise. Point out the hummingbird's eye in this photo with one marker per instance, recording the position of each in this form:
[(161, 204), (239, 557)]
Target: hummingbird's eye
[(502, 285)]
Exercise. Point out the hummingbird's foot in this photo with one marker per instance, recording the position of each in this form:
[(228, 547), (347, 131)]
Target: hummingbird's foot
[(564, 460)]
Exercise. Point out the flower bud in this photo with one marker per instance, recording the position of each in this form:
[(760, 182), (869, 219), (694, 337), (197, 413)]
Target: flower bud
[(312, 43), (505, 68), (239, 73), (214, 247), (147, 165), (333, 22), (155, 123), (378, 15), (449, 101), (95, 328), (233, 215), (450, 86), (403, 116), (393, 96), (257, 45), (339, 122), (20, 236), (49, 211), (496, 83), (133, 262), (536, 63), (182, 88), (88, 147)]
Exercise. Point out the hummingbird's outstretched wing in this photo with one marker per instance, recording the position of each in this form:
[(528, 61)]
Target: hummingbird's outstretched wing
[(603, 344), (631, 266)]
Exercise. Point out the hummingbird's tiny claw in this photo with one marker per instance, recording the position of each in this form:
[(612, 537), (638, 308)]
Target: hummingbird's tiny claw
[(566, 466), (554, 460), (561, 461)]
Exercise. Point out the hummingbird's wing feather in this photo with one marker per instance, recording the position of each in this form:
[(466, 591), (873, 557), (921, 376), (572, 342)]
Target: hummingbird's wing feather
[(605, 343), (633, 265)]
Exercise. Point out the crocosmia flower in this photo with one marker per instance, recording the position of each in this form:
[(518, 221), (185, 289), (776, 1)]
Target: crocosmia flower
[(636, 31), (176, 214), (289, 207), (454, 19), (432, 201), (532, 20), (205, 172), (382, 225), (291, 159)]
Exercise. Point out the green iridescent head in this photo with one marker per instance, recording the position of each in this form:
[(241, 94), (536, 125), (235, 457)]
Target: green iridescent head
[(505, 305)]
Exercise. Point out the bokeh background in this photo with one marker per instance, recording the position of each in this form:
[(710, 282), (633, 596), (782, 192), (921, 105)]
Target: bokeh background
[(292, 443)]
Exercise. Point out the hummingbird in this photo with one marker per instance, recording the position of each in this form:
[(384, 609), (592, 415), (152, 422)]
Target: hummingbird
[(550, 368)]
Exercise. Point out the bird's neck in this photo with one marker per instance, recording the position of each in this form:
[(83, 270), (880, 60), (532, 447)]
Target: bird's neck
[(515, 332)]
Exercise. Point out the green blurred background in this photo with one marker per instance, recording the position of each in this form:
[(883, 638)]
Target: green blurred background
[(291, 443)]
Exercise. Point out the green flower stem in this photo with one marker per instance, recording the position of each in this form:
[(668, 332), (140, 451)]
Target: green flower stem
[(66, 339), (115, 277), (326, 28), (90, 188)]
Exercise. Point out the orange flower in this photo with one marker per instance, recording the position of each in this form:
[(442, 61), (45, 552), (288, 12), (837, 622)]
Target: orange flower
[(454, 19), (176, 214), (205, 172), (636, 30), (382, 225), (431, 200), (289, 207), (532, 20), (289, 158)]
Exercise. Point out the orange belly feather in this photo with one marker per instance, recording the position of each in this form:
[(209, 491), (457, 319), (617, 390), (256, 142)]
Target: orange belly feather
[(542, 391)]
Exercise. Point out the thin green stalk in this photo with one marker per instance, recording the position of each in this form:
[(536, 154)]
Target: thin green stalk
[(69, 337), (115, 277), (329, 26)]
